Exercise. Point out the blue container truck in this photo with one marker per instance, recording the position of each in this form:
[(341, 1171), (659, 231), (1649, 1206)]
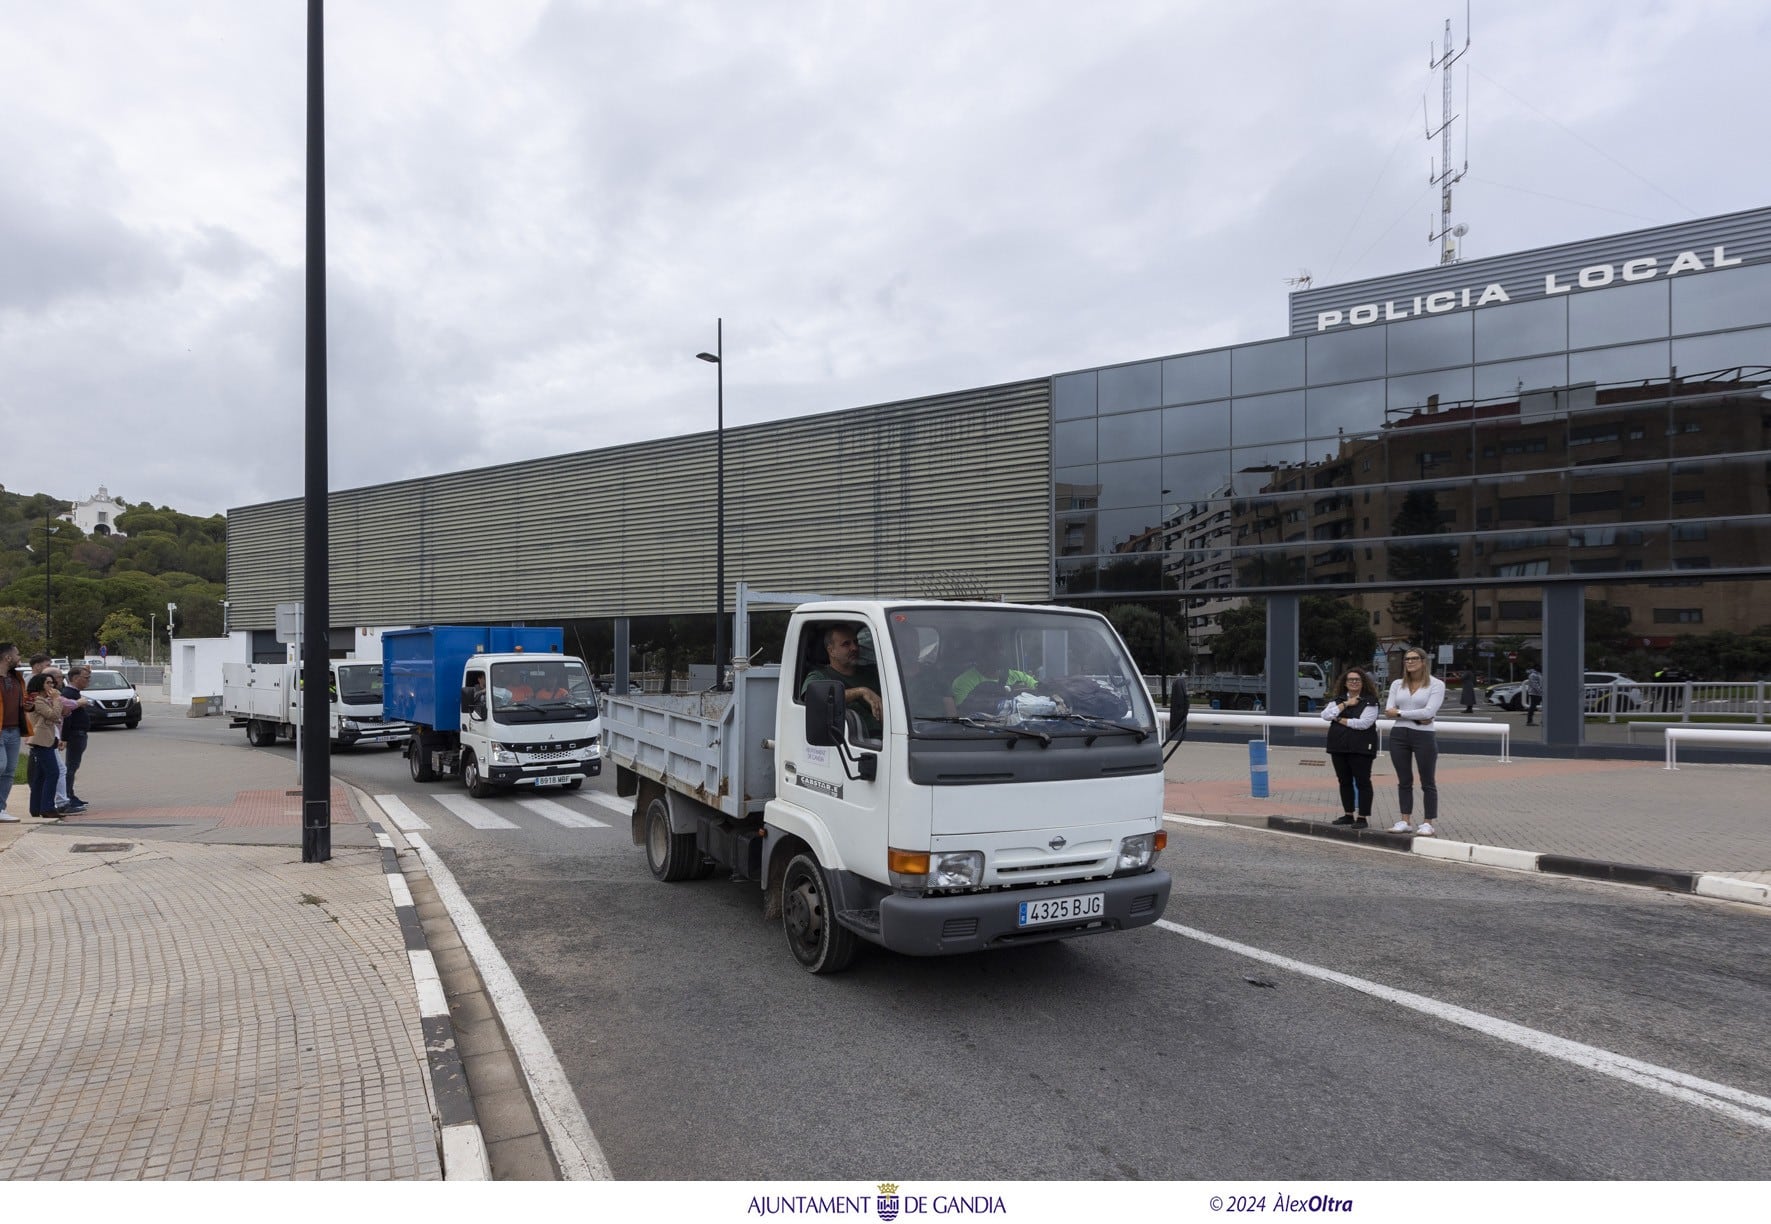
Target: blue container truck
[(498, 706)]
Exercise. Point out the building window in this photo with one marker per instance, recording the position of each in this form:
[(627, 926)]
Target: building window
[(1521, 609), (1678, 616)]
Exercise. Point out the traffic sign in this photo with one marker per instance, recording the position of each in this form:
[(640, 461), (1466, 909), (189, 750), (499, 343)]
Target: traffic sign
[(1512, 656)]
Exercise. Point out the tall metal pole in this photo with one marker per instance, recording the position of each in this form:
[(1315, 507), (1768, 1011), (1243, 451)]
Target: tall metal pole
[(48, 565), (316, 770), (717, 357), (719, 529)]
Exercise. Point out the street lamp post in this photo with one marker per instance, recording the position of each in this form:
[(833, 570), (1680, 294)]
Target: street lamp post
[(48, 529), (225, 605), (717, 357), (170, 609)]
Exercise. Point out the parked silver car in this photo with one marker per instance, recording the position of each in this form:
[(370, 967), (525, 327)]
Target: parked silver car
[(1601, 690)]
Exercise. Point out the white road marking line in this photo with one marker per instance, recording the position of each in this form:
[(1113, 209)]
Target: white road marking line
[(475, 814), (403, 816), (574, 1144), (621, 807), (1732, 1102), (561, 815), (1194, 820)]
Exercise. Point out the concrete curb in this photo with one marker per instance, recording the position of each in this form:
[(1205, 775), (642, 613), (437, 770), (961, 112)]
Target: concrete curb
[(1695, 883), (463, 1147)]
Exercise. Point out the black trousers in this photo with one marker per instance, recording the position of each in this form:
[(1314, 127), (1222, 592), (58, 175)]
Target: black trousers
[(76, 746), (1350, 768)]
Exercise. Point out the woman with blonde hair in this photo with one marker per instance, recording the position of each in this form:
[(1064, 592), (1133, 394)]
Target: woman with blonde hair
[(1351, 715), (1414, 702)]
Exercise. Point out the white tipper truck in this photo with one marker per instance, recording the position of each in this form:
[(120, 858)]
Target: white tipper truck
[(984, 775)]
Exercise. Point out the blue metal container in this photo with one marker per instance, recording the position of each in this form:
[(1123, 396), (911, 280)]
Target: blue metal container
[(422, 668), (1257, 769)]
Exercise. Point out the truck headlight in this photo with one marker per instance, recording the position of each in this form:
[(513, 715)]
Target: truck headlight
[(347, 724), (1141, 850), (919, 869), (502, 755)]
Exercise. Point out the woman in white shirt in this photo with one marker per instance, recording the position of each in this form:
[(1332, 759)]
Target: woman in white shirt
[(1414, 702)]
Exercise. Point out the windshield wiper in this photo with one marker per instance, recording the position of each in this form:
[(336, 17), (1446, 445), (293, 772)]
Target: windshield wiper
[(1105, 724), (966, 720)]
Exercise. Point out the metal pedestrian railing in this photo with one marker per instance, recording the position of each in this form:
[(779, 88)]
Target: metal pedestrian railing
[(1444, 727)]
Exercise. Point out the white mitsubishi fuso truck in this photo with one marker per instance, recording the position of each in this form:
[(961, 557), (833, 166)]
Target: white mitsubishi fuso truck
[(931, 777)]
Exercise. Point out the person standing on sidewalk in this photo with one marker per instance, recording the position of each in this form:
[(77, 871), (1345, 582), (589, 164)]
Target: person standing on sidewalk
[(1351, 714), (1533, 694), (74, 729), (44, 700), (12, 710), (1414, 703)]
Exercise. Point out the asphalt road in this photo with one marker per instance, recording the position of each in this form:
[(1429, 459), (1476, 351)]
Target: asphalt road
[(699, 1048)]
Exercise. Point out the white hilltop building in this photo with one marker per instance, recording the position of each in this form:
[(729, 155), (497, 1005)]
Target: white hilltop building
[(97, 515)]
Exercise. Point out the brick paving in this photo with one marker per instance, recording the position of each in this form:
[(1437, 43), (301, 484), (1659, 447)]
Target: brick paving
[(184, 1011), (1700, 817)]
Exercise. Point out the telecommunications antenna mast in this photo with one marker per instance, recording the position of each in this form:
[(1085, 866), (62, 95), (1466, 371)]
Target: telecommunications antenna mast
[(1447, 234)]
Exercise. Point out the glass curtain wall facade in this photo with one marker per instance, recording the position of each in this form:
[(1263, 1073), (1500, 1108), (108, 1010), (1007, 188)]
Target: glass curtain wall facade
[(1618, 434)]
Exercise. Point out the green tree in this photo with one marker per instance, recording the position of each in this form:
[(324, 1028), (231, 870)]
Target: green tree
[(1433, 614), (121, 631), (1335, 631), (1241, 642), (23, 627), (1144, 634)]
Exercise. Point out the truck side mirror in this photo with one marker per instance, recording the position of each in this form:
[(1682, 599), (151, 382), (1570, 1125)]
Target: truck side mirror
[(1179, 705), (825, 701), (469, 695)]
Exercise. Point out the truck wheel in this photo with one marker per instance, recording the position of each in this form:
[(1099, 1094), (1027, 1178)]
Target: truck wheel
[(477, 786), (260, 734), (818, 942), (418, 759), (574, 784), (671, 856)]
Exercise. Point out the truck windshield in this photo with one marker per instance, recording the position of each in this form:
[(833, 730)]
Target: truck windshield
[(972, 671), (544, 691), (360, 685)]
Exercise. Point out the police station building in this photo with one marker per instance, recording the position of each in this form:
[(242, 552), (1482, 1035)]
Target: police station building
[(1585, 422)]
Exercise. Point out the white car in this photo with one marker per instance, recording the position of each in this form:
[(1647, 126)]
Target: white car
[(1598, 690), (114, 700)]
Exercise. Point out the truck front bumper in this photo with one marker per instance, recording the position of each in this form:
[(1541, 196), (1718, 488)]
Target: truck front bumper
[(374, 733), (517, 775), (945, 926)]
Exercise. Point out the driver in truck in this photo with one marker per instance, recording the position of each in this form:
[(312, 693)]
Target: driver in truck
[(990, 675), (860, 682)]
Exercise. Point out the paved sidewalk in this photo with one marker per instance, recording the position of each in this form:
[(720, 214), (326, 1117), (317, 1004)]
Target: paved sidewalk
[(1698, 818), (182, 998)]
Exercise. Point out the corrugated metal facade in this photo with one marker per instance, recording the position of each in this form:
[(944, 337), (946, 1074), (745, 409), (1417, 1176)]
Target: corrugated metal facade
[(901, 498), (1746, 235)]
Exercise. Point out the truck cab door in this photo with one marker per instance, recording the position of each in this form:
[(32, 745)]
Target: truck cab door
[(822, 780)]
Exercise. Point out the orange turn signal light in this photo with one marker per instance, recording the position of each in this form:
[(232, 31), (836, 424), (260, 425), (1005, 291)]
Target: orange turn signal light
[(907, 862), (1162, 839)]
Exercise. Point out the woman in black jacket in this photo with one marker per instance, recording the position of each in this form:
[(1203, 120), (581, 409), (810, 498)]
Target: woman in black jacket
[(1351, 714)]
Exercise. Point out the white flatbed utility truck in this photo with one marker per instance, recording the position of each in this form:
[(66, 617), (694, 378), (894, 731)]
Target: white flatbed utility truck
[(1008, 791), (265, 699)]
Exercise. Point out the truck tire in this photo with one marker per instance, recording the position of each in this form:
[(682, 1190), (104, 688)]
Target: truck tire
[(574, 784), (477, 786), (418, 758), (671, 856), (817, 940), (260, 734)]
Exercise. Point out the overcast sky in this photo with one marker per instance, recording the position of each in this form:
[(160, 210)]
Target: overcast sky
[(537, 210)]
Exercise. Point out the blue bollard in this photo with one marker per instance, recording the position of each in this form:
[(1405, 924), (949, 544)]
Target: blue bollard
[(1257, 769)]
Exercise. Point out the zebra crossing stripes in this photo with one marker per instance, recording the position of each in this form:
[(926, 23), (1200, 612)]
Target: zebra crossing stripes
[(476, 814), (621, 807), (403, 816), (560, 814)]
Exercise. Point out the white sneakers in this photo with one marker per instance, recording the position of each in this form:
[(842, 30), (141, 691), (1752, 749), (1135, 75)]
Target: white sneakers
[(1425, 830), (8, 818), (1401, 826)]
